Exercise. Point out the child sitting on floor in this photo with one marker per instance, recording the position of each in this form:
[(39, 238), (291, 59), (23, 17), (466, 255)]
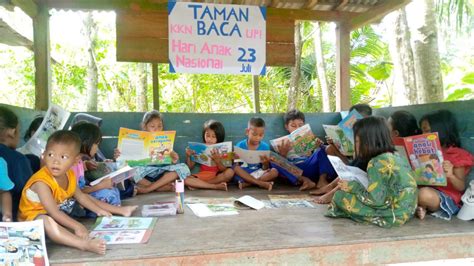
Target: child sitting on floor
[(51, 193), (403, 124), (5, 196), (210, 177), (255, 132)]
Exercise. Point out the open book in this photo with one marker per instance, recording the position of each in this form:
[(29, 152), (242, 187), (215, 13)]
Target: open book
[(342, 133), (250, 156), (285, 167), (202, 153), (140, 148), (303, 142), (118, 176), (209, 210), (423, 152), (248, 201), (54, 120), (123, 230), (349, 173)]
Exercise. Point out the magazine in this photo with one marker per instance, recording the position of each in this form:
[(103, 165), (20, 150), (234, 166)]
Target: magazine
[(344, 145), (250, 202), (123, 230), (209, 210), (159, 209), (291, 201), (139, 148), (54, 120), (118, 176), (23, 243), (425, 157), (284, 167), (302, 140), (250, 156), (349, 173), (202, 153)]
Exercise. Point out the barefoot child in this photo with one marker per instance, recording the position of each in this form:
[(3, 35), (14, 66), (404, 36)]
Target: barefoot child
[(444, 202), (391, 195), (210, 177), (51, 192), (255, 132), (104, 194), (5, 196)]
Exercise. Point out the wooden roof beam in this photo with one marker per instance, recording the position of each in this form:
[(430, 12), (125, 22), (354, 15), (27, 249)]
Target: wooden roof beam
[(376, 13), (28, 6), (341, 4)]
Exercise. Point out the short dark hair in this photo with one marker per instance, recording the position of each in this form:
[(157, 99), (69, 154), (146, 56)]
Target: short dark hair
[(149, 116), (363, 109), (33, 127), (430, 166), (293, 114), (445, 123), (215, 126), (89, 134), (8, 119), (405, 123), (374, 137), (256, 122), (65, 137)]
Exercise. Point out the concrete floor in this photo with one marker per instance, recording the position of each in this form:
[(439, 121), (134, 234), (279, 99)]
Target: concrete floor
[(277, 236)]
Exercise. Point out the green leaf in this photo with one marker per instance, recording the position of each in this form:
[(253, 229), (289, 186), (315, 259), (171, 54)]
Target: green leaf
[(459, 94), (469, 78)]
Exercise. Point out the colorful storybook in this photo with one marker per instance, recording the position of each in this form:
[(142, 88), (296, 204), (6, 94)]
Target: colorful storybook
[(291, 201), (23, 243), (209, 210), (342, 133), (117, 176), (250, 156), (424, 154), (202, 153), (288, 168), (349, 173), (139, 148), (302, 140), (123, 230), (54, 120)]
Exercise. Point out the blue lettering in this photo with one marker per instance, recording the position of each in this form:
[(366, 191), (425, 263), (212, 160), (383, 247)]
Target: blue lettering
[(195, 7)]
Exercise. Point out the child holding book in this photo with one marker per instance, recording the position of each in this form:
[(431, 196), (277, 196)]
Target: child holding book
[(52, 192), (18, 165), (210, 177), (159, 177), (255, 132), (6, 197), (104, 194), (391, 196), (444, 202)]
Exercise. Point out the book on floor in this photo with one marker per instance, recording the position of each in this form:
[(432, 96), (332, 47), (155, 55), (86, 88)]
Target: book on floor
[(159, 209), (250, 202), (291, 201), (349, 173), (202, 153), (210, 210), (123, 230)]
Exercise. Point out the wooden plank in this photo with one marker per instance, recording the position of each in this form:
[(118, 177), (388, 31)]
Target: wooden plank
[(343, 54), (41, 44), (341, 4), (156, 86), (376, 13), (28, 6), (256, 94)]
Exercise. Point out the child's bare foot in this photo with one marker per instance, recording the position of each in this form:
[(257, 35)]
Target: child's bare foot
[(142, 190), (166, 188), (266, 185), (191, 188), (324, 199), (243, 185), (126, 211), (95, 245), (420, 212), (307, 184), (135, 191), (222, 186), (324, 189)]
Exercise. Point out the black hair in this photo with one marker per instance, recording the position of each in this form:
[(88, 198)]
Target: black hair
[(33, 127), (374, 137), (151, 115), (8, 119), (293, 114), (445, 123), (405, 123), (363, 109), (256, 122), (430, 166), (89, 135), (65, 137), (215, 126)]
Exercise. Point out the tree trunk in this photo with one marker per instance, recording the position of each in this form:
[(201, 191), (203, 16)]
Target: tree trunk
[(142, 87), (296, 70), (90, 30), (426, 54), (402, 57), (321, 67)]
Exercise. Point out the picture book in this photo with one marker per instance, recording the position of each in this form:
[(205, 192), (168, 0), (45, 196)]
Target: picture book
[(204, 200), (249, 202), (340, 140), (159, 209), (23, 243), (209, 210), (349, 173), (347, 123), (118, 176), (425, 157), (202, 153), (250, 156), (54, 120), (123, 230), (285, 167), (302, 140), (103, 168), (139, 148), (291, 201)]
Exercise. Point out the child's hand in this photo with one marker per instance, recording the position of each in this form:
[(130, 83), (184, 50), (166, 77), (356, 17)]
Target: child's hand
[(329, 140), (174, 157), (215, 155), (116, 153), (90, 165), (448, 169), (319, 142), (81, 231), (265, 161), (7, 217), (284, 148), (189, 152), (343, 185), (103, 213), (106, 183)]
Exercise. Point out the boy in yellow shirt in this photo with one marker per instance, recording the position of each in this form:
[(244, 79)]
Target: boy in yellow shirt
[(51, 192)]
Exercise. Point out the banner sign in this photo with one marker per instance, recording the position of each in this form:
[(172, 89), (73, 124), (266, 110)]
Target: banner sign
[(216, 39)]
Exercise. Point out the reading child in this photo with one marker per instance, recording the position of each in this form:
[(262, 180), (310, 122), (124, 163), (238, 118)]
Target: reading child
[(18, 165), (210, 177), (391, 196), (255, 132), (444, 202), (159, 177), (5, 186), (104, 194), (403, 124), (51, 193)]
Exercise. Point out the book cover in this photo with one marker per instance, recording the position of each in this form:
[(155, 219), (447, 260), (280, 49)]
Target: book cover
[(347, 124), (118, 176), (202, 153), (159, 209), (349, 173), (123, 230), (426, 159), (103, 168), (291, 201), (344, 145), (139, 148), (23, 243), (250, 202), (250, 156), (302, 140), (210, 210), (284, 166)]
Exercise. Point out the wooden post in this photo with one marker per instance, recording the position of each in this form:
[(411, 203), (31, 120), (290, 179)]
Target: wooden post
[(156, 86), (343, 55), (256, 94), (41, 47)]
